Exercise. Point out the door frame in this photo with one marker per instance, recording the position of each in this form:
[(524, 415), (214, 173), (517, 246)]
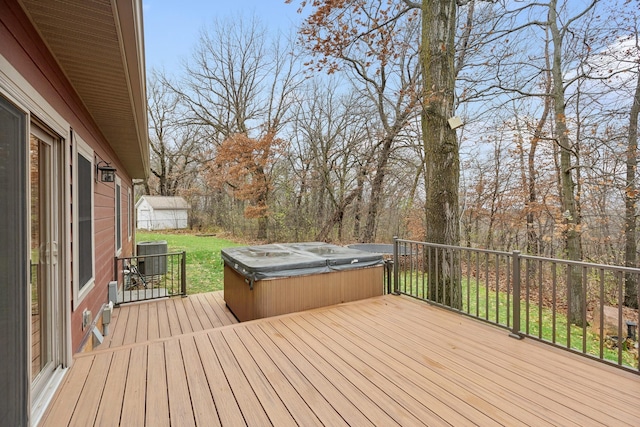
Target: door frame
[(18, 91), (53, 298)]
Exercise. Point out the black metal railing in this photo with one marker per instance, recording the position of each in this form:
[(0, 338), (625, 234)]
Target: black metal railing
[(387, 286), (146, 277), (574, 305)]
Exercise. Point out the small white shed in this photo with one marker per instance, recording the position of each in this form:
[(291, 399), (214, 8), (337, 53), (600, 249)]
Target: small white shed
[(161, 213)]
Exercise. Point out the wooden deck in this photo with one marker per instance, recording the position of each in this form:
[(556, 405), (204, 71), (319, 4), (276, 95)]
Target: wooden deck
[(383, 361), (163, 318)]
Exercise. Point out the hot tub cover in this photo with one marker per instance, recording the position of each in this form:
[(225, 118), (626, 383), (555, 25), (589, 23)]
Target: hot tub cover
[(295, 259)]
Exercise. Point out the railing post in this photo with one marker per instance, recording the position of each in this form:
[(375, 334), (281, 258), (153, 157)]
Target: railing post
[(396, 264), (515, 331), (386, 287), (183, 274)]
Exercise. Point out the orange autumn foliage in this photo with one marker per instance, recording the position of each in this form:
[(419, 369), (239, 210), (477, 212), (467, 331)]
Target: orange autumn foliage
[(242, 165)]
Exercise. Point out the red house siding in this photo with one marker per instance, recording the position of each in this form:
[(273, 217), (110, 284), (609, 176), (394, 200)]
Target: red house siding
[(21, 45)]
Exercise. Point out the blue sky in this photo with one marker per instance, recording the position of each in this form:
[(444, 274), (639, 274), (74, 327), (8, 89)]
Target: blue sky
[(171, 27)]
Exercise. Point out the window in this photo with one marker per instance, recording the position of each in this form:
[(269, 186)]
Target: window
[(118, 216), (83, 245), (85, 224), (129, 213)]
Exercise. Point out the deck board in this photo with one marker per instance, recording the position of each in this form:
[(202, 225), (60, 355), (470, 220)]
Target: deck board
[(187, 324), (465, 355), (164, 329), (359, 408), (163, 318), (143, 323), (271, 402), (87, 406), (206, 305), (460, 380), (204, 408), (323, 377), (153, 331), (157, 411), (287, 382), (438, 394), (196, 317), (200, 314), (175, 327), (73, 387), (228, 411), (133, 324), (388, 360), (180, 409), (112, 397), (386, 393), (225, 315), (133, 413), (118, 327), (246, 398), (218, 318)]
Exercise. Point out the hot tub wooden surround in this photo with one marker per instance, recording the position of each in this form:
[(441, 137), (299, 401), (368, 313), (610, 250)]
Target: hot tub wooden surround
[(270, 280), (272, 297)]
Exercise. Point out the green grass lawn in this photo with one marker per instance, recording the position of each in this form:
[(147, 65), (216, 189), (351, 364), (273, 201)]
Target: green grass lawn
[(204, 265)]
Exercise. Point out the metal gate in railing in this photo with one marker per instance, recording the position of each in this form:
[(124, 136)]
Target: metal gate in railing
[(146, 277), (577, 306)]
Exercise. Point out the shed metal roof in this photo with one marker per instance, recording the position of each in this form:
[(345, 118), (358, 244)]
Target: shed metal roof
[(165, 202)]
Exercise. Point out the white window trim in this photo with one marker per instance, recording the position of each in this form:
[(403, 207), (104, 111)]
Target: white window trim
[(17, 89), (82, 148), (117, 189)]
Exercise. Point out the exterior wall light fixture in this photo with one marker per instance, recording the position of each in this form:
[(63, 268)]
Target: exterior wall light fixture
[(107, 172)]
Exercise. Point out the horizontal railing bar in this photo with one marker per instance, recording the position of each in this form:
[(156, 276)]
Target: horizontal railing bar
[(150, 255), (524, 256), (583, 263), (463, 248)]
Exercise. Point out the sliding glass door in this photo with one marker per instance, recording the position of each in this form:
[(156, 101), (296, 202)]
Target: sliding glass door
[(46, 205), (14, 369)]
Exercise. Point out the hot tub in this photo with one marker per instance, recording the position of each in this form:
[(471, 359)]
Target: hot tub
[(269, 280)]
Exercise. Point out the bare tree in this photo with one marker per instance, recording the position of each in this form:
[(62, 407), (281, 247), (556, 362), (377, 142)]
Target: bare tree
[(373, 43), (175, 146), (632, 293), (331, 128), (572, 230), (239, 89), (441, 146)]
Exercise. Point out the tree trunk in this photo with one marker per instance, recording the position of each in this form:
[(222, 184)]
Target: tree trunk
[(441, 148), (261, 202), (571, 216), (263, 225), (358, 206), (376, 190), (337, 216), (630, 250), (533, 241)]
